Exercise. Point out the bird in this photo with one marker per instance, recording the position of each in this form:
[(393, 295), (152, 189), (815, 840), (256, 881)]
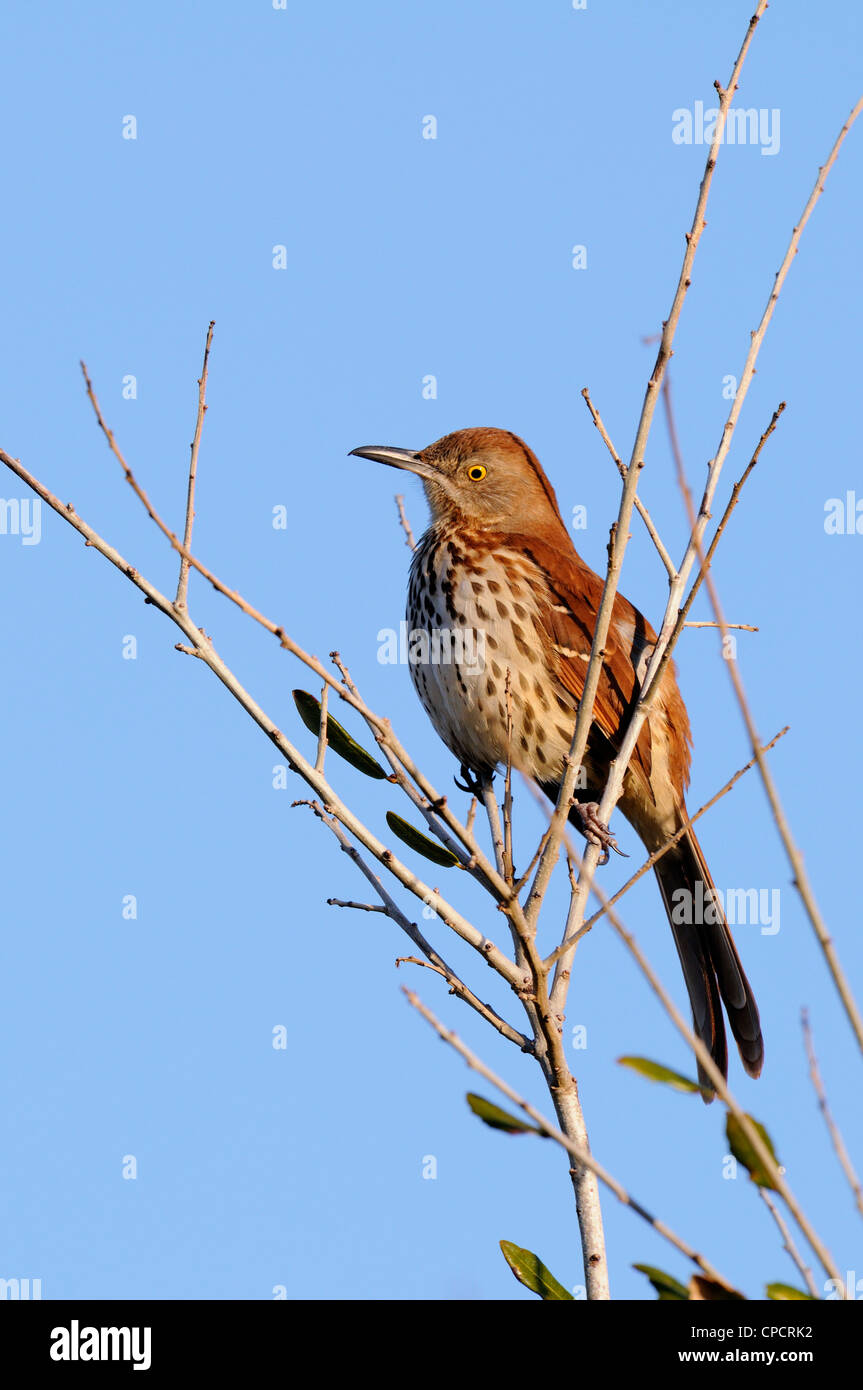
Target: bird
[(497, 560)]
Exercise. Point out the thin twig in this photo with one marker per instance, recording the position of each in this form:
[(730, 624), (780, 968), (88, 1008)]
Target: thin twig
[(711, 550), (183, 585), (492, 810), (621, 468), (788, 1243), (359, 907), (519, 884), (322, 732), (832, 1127), (742, 627), (415, 960), (405, 524), (508, 869)]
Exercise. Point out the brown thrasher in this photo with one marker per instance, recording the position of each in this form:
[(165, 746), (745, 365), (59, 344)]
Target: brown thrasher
[(497, 559)]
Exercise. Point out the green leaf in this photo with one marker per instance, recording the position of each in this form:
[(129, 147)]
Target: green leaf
[(496, 1118), (786, 1293), (744, 1152), (530, 1271), (429, 849), (337, 738), (655, 1071), (667, 1287)]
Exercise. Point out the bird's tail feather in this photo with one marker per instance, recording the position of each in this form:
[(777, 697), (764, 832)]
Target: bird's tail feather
[(709, 959)]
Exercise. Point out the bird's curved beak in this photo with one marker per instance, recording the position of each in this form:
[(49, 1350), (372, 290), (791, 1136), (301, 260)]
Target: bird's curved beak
[(396, 458)]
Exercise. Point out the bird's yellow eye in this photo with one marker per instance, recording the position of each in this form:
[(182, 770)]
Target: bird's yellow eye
[(477, 472)]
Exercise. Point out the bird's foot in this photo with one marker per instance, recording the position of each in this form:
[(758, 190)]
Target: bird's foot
[(472, 781), (595, 831)]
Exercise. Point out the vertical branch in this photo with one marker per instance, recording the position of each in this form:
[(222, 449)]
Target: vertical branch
[(492, 810), (322, 734), (403, 521), (567, 1105), (183, 584), (508, 870), (562, 1086), (620, 534), (832, 1128)]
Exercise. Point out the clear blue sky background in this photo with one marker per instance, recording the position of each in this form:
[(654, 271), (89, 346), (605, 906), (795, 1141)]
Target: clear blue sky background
[(405, 256)]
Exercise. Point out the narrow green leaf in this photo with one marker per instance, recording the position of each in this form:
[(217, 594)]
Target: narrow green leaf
[(667, 1287), (530, 1271), (337, 738), (655, 1071), (429, 849), (786, 1293), (744, 1152), (496, 1118)]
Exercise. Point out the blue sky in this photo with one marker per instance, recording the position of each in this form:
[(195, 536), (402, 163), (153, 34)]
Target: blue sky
[(405, 257)]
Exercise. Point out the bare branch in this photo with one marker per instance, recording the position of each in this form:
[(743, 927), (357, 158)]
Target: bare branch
[(582, 1156), (392, 910), (359, 907), (183, 584), (620, 536), (708, 560), (508, 869), (788, 1243), (405, 524), (832, 1127), (743, 627), (621, 468), (322, 733)]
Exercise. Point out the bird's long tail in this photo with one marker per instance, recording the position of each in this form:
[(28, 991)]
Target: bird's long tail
[(708, 956)]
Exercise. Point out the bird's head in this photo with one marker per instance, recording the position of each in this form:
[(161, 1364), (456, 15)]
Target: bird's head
[(480, 477)]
